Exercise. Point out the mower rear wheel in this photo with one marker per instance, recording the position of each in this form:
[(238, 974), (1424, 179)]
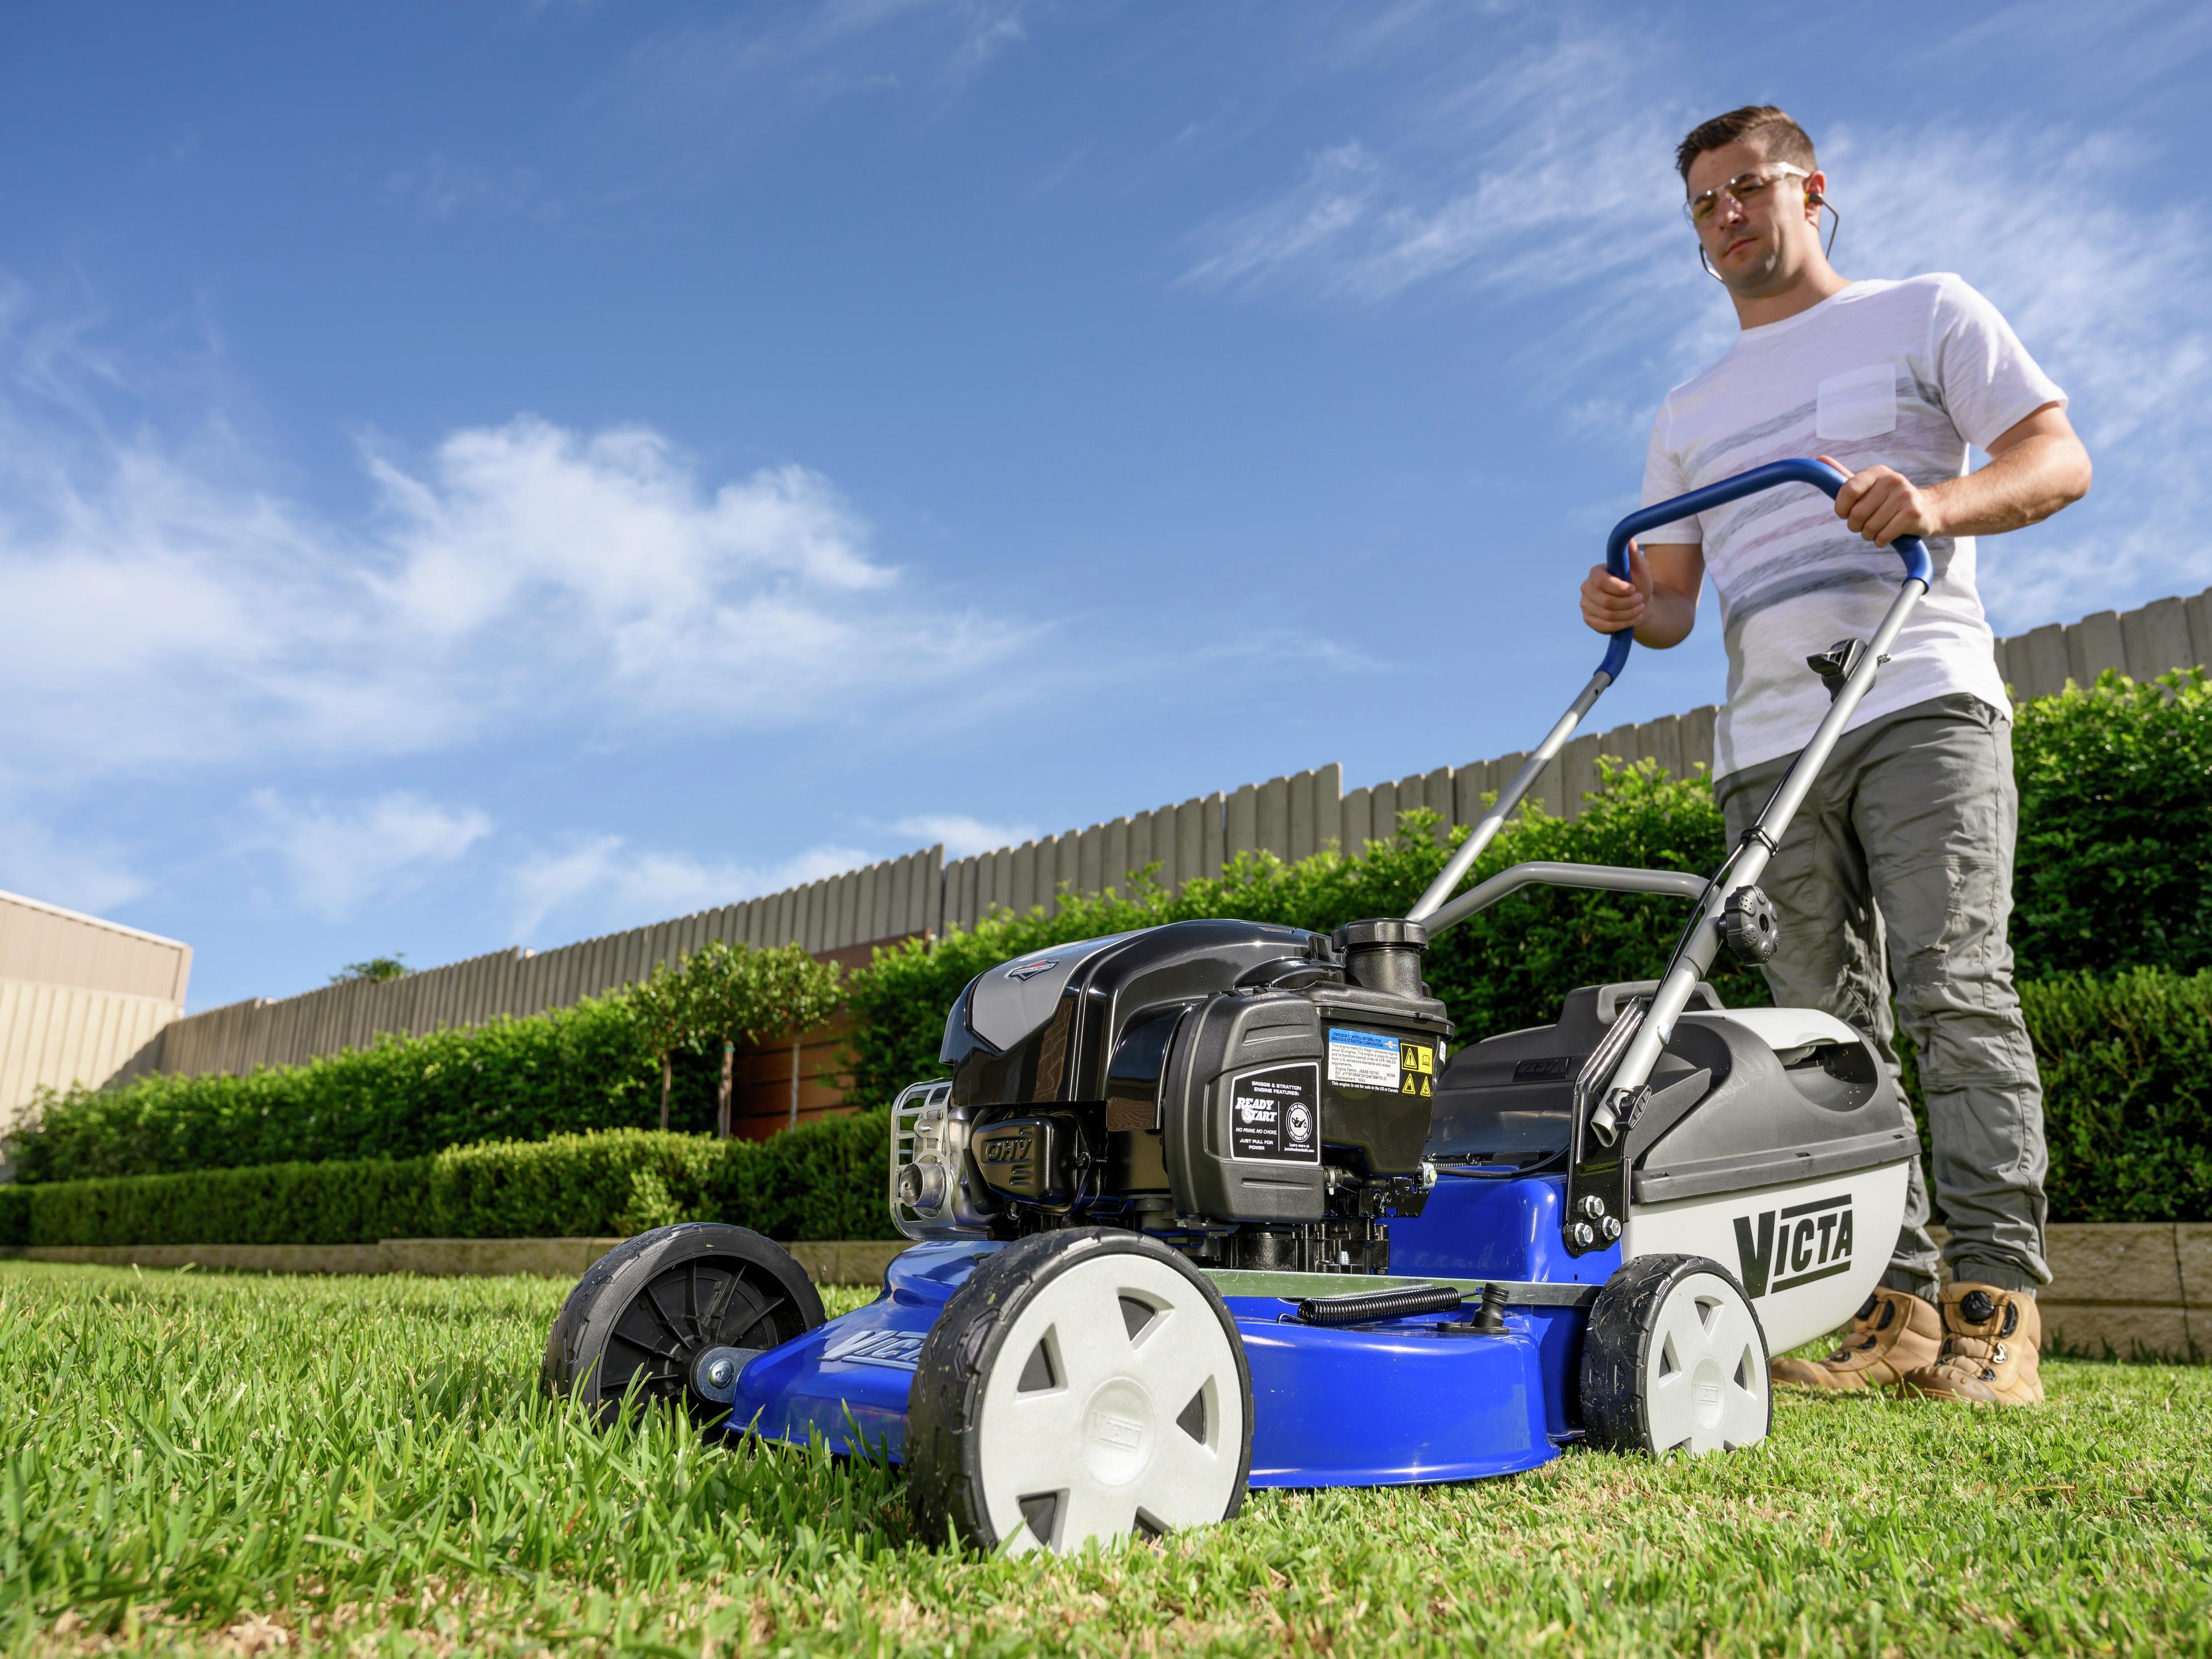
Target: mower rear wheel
[(1674, 1359), (653, 1308), (1083, 1384)]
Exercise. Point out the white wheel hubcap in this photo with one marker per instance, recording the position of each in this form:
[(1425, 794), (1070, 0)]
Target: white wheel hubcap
[(1705, 1382), (1113, 1408)]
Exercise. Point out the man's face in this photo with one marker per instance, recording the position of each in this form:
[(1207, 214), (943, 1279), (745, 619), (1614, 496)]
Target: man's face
[(1765, 243)]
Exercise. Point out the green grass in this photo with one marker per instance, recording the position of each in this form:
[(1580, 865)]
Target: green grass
[(215, 1464)]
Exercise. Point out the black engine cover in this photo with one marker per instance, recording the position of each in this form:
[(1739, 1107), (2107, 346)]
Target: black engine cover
[(1226, 1065)]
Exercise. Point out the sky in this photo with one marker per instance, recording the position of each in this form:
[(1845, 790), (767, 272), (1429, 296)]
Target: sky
[(497, 472)]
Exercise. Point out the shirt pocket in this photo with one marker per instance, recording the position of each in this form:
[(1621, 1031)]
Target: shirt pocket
[(1861, 404)]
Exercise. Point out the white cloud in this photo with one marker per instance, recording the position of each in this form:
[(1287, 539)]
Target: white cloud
[(605, 883), (336, 862), (963, 835), (161, 608), (440, 187), (75, 872), (720, 86)]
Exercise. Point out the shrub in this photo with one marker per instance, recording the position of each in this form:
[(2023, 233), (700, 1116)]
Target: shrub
[(2127, 1069), (2115, 866), (570, 1070), (822, 1179)]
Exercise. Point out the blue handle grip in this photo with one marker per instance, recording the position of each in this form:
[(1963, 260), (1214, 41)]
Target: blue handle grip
[(1818, 474)]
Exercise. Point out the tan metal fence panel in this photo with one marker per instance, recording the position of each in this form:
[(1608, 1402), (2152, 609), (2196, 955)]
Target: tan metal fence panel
[(1140, 846), (1067, 867), (1242, 834), (2156, 638), (2093, 644), (1116, 856), (1352, 819), (43, 944), (57, 1036), (1382, 811)]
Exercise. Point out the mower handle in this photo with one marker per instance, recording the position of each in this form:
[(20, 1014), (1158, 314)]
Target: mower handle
[(1822, 477)]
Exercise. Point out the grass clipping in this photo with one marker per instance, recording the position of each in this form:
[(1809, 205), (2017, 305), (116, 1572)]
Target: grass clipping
[(238, 1465)]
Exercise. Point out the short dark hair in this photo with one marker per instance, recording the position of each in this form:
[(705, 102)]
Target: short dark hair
[(1785, 139)]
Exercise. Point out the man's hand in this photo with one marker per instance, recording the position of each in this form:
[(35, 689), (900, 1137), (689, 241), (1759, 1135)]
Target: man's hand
[(1609, 604), (1882, 504)]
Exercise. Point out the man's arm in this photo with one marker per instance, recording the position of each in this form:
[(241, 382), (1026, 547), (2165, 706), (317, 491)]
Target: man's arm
[(1659, 600), (2036, 466)]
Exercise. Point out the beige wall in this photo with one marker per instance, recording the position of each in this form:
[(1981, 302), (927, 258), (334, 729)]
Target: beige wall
[(78, 997)]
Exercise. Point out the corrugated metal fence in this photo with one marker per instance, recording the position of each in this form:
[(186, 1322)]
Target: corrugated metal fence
[(884, 901), (1291, 817)]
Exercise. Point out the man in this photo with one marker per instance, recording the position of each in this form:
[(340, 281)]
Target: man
[(1906, 840)]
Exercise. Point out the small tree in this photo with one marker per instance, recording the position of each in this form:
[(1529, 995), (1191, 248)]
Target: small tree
[(661, 1003), (738, 994), (376, 968)]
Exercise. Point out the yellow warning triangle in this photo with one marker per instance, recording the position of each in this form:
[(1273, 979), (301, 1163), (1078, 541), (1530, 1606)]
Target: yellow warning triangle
[(1408, 1089), (1424, 1086)]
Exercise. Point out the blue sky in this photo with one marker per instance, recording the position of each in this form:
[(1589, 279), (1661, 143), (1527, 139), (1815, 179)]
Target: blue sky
[(487, 474)]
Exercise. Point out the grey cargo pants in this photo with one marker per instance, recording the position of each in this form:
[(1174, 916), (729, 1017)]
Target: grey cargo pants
[(1906, 841)]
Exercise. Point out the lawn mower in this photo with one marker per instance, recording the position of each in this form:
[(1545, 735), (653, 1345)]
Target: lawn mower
[(1217, 1205)]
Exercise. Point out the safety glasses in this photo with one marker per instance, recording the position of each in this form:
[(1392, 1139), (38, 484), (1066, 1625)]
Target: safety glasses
[(1743, 190)]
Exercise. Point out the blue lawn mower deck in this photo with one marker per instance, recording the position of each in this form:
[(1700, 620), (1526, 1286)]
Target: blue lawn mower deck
[(1219, 1204)]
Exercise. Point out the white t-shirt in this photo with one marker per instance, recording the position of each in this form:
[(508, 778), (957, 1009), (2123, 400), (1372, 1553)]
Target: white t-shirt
[(1903, 374)]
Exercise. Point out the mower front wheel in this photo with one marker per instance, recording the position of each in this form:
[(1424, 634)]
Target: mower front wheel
[(664, 1308), (1083, 1384)]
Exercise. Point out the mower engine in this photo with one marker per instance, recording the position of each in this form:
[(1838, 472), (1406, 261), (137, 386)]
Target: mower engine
[(1257, 1097)]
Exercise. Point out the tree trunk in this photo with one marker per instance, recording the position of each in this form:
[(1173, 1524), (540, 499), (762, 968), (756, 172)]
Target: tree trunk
[(722, 1098), (668, 1081)]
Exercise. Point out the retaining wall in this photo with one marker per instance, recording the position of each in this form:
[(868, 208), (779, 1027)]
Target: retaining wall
[(2128, 1290)]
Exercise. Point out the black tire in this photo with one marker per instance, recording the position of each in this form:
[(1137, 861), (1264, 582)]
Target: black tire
[(1674, 1359), (1166, 1461), (651, 1305)]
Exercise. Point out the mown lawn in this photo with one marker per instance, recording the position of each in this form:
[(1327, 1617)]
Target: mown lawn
[(212, 1464)]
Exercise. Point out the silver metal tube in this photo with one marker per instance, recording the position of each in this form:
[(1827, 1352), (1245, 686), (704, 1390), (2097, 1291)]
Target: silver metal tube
[(1487, 826), (1610, 877), (1702, 940)]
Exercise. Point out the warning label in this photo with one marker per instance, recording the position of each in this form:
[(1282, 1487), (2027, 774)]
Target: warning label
[(1275, 1115), (1417, 1073), (1363, 1059)]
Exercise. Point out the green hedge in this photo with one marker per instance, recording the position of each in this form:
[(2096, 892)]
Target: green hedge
[(822, 1179), (2127, 1068), (2115, 866), (2127, 1082), (573, 1070)]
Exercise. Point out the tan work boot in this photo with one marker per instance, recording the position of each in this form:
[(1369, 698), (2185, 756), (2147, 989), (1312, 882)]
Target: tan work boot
[(1894, 1333), (1989, 1342)]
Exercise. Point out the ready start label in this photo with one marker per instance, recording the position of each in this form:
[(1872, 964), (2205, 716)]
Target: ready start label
[(1275, 1115), (1376, 1060)]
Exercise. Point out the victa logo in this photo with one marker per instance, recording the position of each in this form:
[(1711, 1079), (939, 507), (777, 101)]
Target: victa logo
[(899, 1351), (1780, 1249)]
